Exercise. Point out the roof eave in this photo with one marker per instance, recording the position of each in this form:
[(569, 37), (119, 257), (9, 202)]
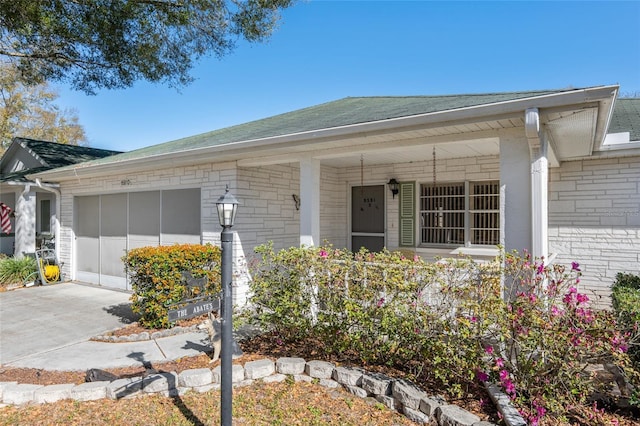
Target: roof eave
[(228, 151)]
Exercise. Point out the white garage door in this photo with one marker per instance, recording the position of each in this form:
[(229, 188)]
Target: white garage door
[(109, 225)]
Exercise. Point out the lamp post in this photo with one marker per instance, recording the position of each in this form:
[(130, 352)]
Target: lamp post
[(227, 207)]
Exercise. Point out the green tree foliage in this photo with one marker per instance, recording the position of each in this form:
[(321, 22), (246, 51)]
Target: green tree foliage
[(112, 43), (29, 111)]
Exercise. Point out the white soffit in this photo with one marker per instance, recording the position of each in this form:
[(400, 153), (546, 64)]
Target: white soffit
[(573, 132)]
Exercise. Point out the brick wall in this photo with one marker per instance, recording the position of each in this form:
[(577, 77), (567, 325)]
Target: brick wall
[(594, 219)]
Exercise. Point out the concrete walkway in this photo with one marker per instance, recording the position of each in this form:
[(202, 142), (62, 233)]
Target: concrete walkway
[(49, 327)]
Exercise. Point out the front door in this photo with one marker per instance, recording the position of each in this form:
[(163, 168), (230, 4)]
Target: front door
[(367, 218)]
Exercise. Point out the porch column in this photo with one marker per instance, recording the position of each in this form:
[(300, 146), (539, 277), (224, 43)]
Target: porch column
[(309, 201), (25, 241), (515, 193), (538, 147)]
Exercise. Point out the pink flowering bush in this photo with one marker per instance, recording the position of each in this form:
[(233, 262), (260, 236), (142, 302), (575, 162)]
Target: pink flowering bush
[(547, 339), (516, 321)]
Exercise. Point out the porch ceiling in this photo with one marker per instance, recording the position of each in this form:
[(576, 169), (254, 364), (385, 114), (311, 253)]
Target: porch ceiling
[(411, 154), (454, 141)]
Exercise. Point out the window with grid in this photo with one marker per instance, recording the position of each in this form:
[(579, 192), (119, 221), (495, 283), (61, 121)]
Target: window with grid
[(462, 213)]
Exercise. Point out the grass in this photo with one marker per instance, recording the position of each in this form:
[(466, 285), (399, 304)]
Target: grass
[(283, 403)]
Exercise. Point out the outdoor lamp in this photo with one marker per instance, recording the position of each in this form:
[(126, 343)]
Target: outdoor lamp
[(393, 186), (227, 208)]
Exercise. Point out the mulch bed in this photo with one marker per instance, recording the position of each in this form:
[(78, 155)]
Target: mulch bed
[(259, 347)]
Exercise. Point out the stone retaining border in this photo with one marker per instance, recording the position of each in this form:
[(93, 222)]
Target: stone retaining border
[(396, 394), (145, 335)]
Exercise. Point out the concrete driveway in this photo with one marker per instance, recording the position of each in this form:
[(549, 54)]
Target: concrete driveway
[(38, 320)]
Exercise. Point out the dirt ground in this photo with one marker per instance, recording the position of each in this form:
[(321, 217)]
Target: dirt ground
[(257, 348)]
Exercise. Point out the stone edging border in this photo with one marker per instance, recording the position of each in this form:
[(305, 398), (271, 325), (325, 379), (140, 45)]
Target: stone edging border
[(396, 394), (145, 335)]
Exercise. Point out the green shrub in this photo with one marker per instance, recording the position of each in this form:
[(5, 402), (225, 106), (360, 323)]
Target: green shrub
[(625, 297), (447, 322), (156, 277), (383, 307), (14, 270)]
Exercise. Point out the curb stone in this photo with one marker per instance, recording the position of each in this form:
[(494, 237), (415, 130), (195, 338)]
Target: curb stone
[(174, 384), (144, 335), (510, 415)]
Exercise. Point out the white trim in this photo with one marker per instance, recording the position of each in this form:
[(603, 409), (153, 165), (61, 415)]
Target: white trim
[(309, 202), (538, 146)]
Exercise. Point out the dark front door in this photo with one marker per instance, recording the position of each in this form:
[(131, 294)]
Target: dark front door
[(367, 217)]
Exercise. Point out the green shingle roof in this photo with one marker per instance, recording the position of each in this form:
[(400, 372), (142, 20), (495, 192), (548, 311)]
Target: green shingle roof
[(343, 112), (626, 118), (54, 155), (60, 155)]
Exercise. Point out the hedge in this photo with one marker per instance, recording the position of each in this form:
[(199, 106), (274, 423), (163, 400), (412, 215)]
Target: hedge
[(157, 281)]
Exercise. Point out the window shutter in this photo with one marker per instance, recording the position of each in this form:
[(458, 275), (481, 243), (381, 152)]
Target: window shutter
[(407, 214)]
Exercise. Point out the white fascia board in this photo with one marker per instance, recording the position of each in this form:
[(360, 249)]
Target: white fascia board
[(349, 131)]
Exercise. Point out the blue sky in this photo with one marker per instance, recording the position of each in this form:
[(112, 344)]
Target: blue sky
[(327, 50)]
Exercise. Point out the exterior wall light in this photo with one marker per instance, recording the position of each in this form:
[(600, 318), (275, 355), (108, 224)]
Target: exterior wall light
[(393, 186)]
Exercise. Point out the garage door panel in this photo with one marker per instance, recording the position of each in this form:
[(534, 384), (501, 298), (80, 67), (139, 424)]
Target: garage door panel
[(109, 225), (137, 241), (144, 213), (88, 213), (88, 233), (88, 254), (113, 215), (181, 212), (112, 249), (170, 239)]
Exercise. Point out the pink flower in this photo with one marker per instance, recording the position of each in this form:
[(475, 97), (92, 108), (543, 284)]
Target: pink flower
[(499, 362), (380, 302), (575, 266), (582, 298), (482, 376), (568, 298), (416, 258), (509, 387), (489, 350), (323, 254), (504, 375)]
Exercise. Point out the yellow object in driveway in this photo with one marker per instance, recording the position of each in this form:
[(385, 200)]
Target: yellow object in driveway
[(52, 272)]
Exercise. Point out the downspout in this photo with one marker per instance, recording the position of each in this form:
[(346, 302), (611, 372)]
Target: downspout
[(58, 195), (538, 147)]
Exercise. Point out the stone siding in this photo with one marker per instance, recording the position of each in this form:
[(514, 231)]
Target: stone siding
[(594, 219)]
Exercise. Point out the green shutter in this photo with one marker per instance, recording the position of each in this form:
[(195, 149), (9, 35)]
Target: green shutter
[(407, 214)]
